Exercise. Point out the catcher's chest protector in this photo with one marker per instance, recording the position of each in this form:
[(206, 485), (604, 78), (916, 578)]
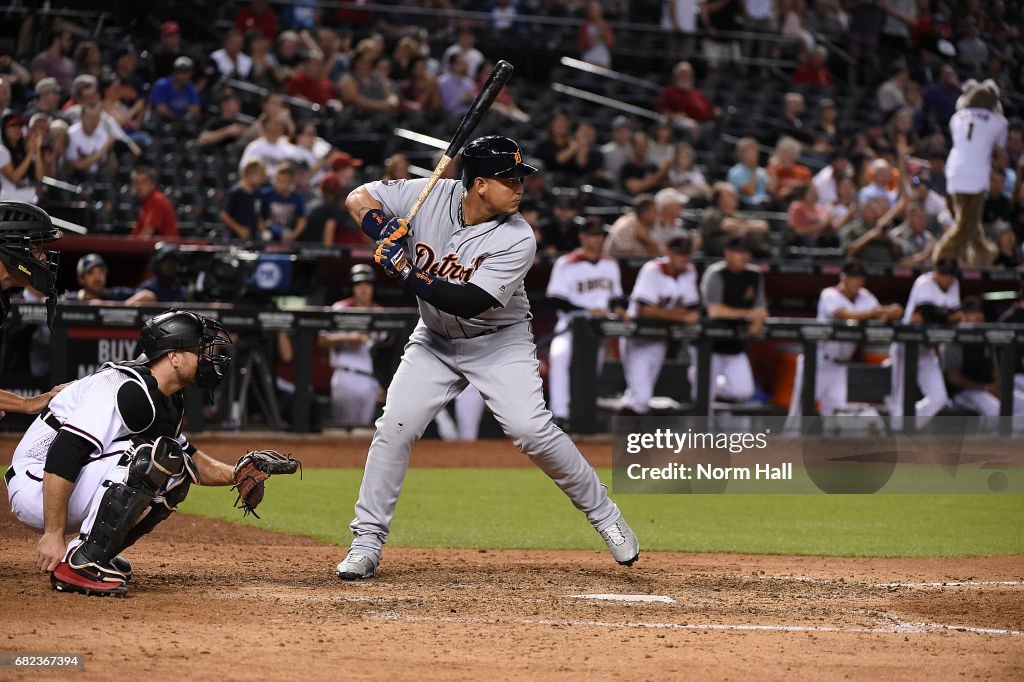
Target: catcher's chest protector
[(143, 405)]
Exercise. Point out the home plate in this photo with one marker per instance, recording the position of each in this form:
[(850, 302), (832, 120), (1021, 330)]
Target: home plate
[(655, 598)]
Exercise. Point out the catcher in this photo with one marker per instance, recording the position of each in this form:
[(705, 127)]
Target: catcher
[(108, 461)]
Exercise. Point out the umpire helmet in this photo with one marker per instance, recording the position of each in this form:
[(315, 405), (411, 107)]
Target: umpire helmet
[(183, 329), (494, 156), (24, 229), (361, 273)]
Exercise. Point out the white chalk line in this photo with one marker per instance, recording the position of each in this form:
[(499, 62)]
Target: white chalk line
[(945, 583), (898, 627), (629, 598)]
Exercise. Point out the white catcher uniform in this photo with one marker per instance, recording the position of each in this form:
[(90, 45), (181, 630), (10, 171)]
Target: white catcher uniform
[(353, 384), (642, 358), (833, 356), (494, 351), (87, 408), (929, 372), (586, 285)]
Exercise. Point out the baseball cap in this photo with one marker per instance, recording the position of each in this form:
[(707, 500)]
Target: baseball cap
[(594, 226), (46, 85), (13, 120), (226, 94), (854, 268), (737, 244), (330, 184), (620, 122), (827, 103), (169, 27), (947, 265), (88, 262), (341, 160), (361, 273), (681, 244), (183, 64), (670, 195)]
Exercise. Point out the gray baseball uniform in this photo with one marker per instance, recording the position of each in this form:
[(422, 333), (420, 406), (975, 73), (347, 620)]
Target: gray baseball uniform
[(495, 352)]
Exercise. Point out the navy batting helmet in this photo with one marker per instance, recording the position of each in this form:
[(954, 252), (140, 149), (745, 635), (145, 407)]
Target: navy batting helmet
[(183, 329), (494, 156), (24, 229)]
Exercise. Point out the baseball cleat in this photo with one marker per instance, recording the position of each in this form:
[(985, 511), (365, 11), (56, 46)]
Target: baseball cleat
[(622, 542), (122, 566), (356, 567), (89, 579)]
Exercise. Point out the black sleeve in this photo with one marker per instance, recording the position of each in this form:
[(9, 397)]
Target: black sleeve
[(68, 454), (135, 407), (564, 305), (461, 300), (932, 314)]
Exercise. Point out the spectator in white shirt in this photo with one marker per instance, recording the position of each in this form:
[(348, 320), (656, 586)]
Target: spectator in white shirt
[(230, 61), (90, 143), (473, 57), (826, 180), (272, 147)]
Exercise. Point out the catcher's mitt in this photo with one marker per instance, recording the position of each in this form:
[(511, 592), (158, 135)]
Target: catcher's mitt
[(252, 469)]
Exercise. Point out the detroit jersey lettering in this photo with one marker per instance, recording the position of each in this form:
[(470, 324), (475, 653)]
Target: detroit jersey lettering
[(494, 255)]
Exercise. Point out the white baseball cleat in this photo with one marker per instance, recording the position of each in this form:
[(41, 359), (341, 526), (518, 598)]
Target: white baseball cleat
[(622, 542), (356, 567)]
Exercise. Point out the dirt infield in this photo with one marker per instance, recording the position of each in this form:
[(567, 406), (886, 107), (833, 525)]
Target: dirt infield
[(208, 595)]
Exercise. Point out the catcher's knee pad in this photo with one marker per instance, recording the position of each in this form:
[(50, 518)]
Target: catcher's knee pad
[(154, 463), (160, 509)]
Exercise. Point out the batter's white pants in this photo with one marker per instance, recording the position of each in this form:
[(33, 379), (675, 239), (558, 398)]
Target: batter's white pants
[(433, 370), (559, 364), (353, 398), (929, 381), (1018, 395)]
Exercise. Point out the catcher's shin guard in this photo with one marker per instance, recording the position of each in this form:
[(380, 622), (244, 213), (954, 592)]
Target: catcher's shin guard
[(159, 510), (89, 568)]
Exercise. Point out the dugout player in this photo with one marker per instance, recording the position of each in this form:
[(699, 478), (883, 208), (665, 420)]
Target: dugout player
[(665, 289), (970, 368), (1015, 315), (733, 291), (583, 281), (353, 384), (934, 299), (108, 461), (848, 300), (465, 257), (25, 232)]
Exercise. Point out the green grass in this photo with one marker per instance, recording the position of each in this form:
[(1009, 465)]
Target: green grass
[(521, 508)]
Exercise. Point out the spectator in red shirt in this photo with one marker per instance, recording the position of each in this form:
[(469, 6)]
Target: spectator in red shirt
[(258, 17), (814, 72), (156, 215), (685, 105), (311, 82)]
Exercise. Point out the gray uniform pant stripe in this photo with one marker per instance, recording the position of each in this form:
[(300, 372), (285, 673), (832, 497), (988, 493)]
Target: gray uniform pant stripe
[(504, 367)]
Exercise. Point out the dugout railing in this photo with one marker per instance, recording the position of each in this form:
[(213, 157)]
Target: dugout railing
[(589, 333), (82, 332)]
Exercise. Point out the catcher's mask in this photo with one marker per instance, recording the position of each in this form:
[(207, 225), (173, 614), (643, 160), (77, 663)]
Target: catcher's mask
[(24, 230), (186, 330)]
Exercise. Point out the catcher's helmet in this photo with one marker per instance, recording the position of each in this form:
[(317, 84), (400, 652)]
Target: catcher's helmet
[(494, 156), (361, 273), (183, 329), (24, 229)]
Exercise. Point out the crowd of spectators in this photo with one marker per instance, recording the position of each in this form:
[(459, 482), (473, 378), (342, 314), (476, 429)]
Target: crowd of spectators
[(807, 179)]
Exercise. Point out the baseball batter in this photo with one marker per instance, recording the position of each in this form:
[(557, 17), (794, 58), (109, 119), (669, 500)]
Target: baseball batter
[(934, 298), (848, 300), (665, 289), (108, 460), (465, 258), (581, 281)]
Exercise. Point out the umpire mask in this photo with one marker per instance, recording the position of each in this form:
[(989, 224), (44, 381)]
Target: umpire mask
[(24, 230)]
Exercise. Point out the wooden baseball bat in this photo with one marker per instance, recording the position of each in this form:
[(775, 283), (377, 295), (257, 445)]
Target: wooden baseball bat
[(502, 72)]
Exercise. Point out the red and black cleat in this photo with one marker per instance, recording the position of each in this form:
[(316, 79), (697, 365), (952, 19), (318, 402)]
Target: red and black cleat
[(89, 578)]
